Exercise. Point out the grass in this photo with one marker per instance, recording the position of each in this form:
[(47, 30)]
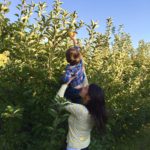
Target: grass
[(140, 142)]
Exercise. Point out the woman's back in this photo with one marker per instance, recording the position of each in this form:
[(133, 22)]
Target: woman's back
[(80, 126)]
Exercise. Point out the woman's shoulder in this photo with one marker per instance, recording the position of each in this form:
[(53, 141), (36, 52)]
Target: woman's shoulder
[(82, 109), (77, 109)]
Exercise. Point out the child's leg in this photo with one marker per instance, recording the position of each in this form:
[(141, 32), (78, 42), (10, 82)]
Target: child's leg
[(72, 94)]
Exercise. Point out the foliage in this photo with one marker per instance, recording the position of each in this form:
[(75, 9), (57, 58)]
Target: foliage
[(32, 60)]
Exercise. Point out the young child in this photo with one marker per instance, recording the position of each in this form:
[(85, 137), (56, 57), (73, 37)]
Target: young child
[(75, 69)]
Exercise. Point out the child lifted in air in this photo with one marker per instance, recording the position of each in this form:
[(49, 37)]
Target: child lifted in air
[(74, 69)]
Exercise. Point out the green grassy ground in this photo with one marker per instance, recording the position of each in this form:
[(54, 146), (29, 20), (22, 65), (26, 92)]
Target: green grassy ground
[(140, 142)]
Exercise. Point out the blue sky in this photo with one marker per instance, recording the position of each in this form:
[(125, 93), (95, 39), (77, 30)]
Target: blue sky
[(134, 14)]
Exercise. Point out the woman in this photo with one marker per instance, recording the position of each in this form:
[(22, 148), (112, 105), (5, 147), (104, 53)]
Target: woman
[(84, 116)]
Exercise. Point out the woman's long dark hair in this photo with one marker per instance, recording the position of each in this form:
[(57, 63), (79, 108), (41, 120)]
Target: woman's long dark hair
[(96, 106)]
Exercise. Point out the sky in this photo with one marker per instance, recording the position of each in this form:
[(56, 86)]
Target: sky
[(133, 14)]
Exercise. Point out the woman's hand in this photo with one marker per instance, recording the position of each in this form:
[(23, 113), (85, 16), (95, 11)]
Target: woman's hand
[(70, 80)]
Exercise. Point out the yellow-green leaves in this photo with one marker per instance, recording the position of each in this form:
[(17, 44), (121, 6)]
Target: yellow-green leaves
[(4, 58), (32, 60), (4, 7), (12, 112)]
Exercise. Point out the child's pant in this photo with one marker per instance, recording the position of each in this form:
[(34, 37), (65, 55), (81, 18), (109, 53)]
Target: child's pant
[(72, 94)]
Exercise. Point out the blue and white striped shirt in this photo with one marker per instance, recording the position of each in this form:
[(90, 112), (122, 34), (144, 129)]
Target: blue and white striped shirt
[(76, 70)]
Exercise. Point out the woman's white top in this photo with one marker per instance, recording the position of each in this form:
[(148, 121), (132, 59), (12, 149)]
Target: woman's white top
[(80, 123)]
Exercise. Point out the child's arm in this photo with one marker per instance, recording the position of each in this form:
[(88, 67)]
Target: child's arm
[(74, 42), (67, 76), (72, 36)]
